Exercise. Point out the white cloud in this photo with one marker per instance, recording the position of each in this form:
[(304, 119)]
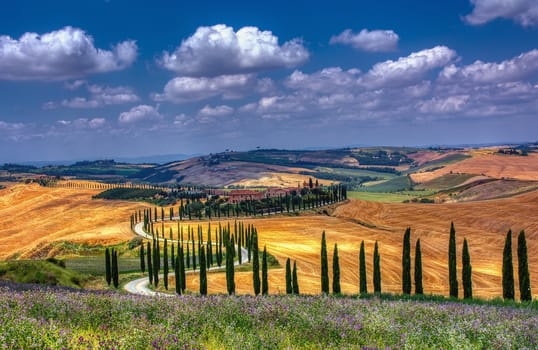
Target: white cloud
[(513, 69), (373, 41), (188, 89), (218, 111), (443, 105), (83, 123), (524, 12), (62, 54), (329, 80), (407, 69), (6, 126), (99, 96), (138, 114), (219, 50)]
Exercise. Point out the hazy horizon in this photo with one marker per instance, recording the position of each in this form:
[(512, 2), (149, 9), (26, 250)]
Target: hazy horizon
[(121, 79)]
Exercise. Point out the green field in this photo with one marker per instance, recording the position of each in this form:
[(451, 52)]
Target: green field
[(446, 181), (40, 272)]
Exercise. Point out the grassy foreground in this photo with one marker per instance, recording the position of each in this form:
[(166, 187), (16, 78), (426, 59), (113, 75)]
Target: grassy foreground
[(55, 318)]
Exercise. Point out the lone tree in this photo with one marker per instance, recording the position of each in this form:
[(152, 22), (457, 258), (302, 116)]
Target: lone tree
[(336, 271), (294, 281), (406, 262), (115, 273), (324, 266), (523, 268), (377, 270), (142, 258), (362, 270), (418, 269), (203, 273), (255, 264), (289, 287), (265, 280), (466, 272), (108, 268), (452, 267), (508, 268)]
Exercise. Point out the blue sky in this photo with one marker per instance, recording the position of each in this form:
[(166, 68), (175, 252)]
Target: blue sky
[(95, 79)]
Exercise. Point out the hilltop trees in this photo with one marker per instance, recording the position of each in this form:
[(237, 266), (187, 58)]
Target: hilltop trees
[(406, 262), (362, 270), (336, 271), (452, 268), (324, 266), (377, 269), (523, 268), (466, 272), (418, 269), (508, 268)]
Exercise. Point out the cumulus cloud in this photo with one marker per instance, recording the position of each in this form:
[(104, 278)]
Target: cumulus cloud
[(218, 111), (99, 96), (7, 126), (524, 12), (408, 69), (139, 113), (219, 50), (84, 123), (489, 72), (188, 89), (373, 41), (58, 55), (328, 79)]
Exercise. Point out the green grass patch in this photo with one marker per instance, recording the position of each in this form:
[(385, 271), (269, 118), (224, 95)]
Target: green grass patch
[(379, 196), (41, 272), (446, 181), (400, 183), (95, 265)]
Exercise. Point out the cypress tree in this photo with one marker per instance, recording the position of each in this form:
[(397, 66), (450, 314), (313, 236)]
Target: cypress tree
[(508, 268), (203, 274), (156, 261), (324, 266), (182, 268), (265, 280), (466, 272), (255, 264), (406, 262), (150, 263), (336, 271), (377, 269), (295, 281), (165, 269), (115, 273), (452, 268), (362, 270), (230, 282), (289, 287), (177, 275), (142, 258), (523, 268), (418, 269), (108, 268), (188, 260)]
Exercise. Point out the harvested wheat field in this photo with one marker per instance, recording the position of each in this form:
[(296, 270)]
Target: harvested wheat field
[(492, 165), (34, 216), (484, 224)]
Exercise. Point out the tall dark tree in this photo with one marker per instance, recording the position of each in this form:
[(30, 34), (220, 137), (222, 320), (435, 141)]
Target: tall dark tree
[(377, 269), (452, 264), (362, 270), (165, 262), (230, 278), (115, 269), (406, 262), (466, 272), (294, 280), (177, 276), (182, 267), (324, 266), (336, 271), (289, 287), (142, 258), (156, 263), (523, 268), (508, 268), (203, 273), (265, 277), (150, 263), (108, 267), (418, 269), (255, 264)]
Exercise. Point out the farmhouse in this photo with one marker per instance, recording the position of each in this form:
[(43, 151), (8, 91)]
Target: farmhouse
[(236, 196)]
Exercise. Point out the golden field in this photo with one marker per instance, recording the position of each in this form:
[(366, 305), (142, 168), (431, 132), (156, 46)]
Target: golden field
[(34, 217)]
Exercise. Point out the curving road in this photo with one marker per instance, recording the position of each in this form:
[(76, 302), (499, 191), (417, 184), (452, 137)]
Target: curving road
[(140, 286)]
